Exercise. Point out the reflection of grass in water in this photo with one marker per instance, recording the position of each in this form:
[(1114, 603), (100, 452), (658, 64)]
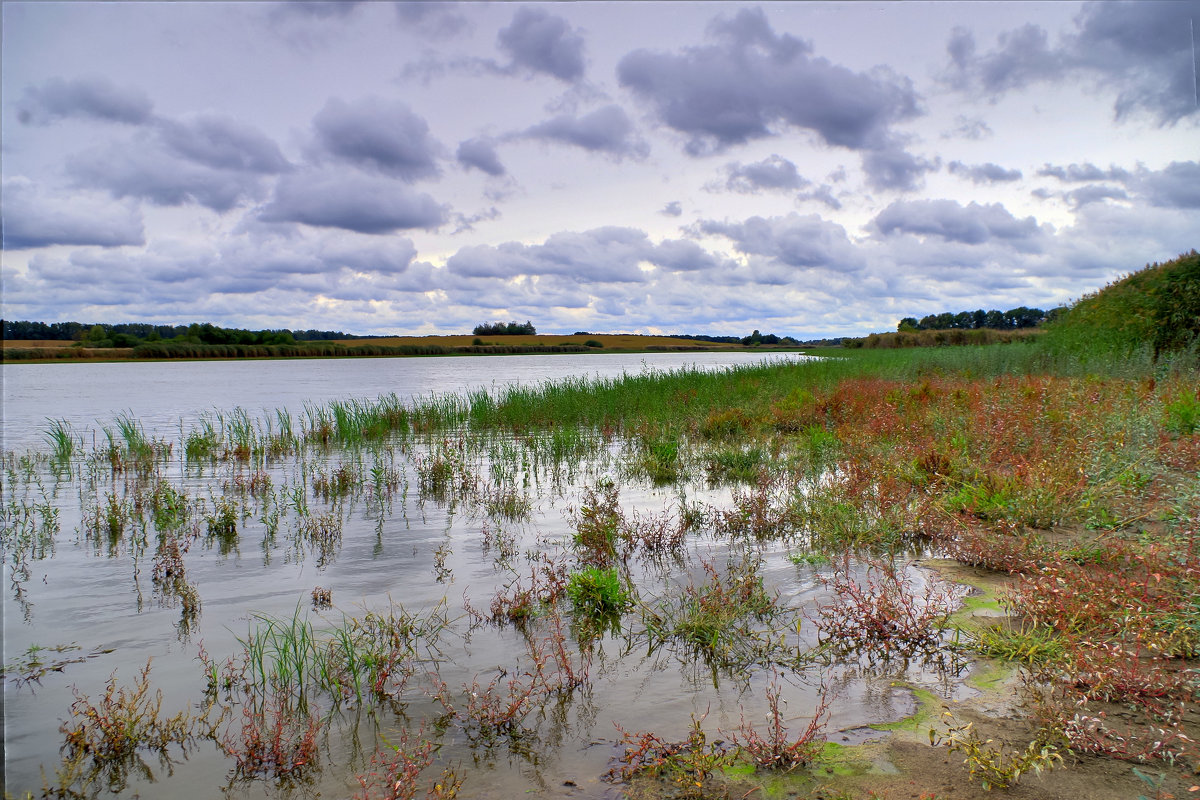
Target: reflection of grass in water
[(363, 657)]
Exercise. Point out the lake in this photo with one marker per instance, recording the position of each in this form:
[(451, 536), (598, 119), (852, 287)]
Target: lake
[(115, 561)]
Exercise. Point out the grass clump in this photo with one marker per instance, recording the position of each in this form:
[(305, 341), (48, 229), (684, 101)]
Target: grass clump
[(598, 593), (726, 620)]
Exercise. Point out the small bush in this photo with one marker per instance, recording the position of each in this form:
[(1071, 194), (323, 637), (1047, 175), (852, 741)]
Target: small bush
[(593, 343)]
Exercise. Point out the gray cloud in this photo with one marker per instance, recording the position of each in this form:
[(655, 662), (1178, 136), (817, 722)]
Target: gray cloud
[(774, 173), (795, 240), (466, 222), (681, 255), (610, 255), (1083, 173), (750, 79), (1175, 186), (822, 194), (968, 128), (315, 9), (480, 153), (380, 135), (972, 224), (223, 143), (436, 20), (984, 173), (539, 42), (390, 258), (34, 218), (1021, 56), (894, 168), (1094, 193), (142, 169), (605, 130), (1141, 50), (672, 209), (83, 98), (353, 202)]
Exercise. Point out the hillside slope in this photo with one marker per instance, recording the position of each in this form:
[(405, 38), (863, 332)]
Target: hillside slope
[(1156, 307)]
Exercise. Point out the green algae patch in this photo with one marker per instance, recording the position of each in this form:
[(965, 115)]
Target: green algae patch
[(767, 783), (985, 604), (928, 708), (845, 761)]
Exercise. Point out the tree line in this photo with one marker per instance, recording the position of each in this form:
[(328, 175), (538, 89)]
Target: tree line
[(1014, 318), (131, 334)]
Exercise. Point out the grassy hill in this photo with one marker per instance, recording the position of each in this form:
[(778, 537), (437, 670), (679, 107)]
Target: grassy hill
[(1157, 307)]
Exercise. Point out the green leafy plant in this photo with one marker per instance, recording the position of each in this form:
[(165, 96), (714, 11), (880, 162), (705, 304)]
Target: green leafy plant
[(993, 765)]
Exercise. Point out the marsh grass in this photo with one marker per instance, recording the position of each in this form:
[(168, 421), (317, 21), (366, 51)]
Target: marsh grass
[(728, 621), (222, 523), (360, 658), (64, 442)]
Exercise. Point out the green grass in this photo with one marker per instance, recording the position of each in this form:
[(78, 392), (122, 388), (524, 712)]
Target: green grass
[(598, 593)]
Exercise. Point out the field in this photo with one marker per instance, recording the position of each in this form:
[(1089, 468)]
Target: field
[(54, 350), (23, 344), (625, 342)]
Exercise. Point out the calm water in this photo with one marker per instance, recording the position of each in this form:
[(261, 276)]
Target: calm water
[(161, 394), (95, 592)]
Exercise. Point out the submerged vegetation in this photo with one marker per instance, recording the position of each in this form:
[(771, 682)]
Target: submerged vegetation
[(728, 544)]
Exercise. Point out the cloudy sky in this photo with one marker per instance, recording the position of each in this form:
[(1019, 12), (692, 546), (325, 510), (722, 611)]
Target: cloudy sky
[(815, 169)]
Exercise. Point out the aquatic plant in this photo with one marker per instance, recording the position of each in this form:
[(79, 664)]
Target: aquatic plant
[(776, 749), (396, 768), (598, 593), (63, 440), (104, 742), (883, 615), (992, 764), (690, 764), (274, 740)]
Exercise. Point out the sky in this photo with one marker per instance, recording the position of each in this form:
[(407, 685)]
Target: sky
[(811, 169)]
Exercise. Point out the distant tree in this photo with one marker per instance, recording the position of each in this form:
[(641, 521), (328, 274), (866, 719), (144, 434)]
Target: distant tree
[(963, 320), (907, 324), (502, 329)]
